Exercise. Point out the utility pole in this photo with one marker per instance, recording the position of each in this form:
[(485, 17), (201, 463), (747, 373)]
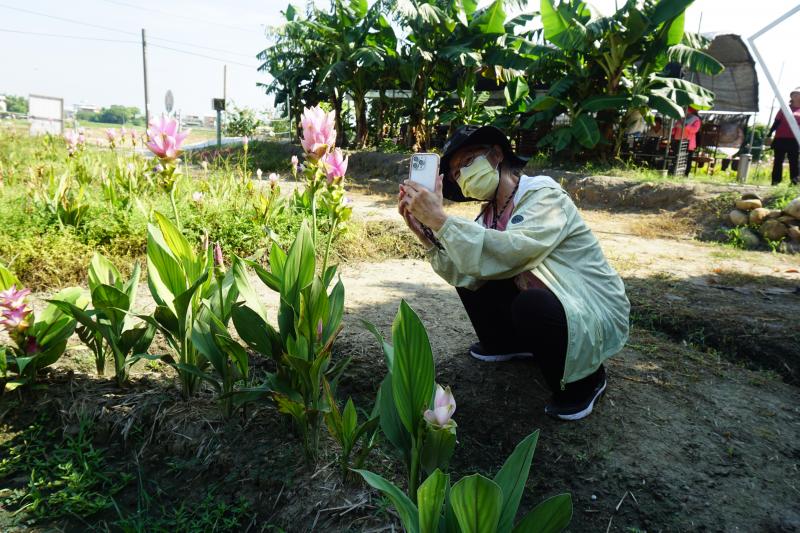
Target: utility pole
[(146, 96)]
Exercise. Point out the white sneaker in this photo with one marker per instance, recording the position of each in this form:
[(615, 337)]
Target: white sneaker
[(477, 351)]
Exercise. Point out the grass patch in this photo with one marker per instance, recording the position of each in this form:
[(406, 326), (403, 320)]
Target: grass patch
[(48, 476)]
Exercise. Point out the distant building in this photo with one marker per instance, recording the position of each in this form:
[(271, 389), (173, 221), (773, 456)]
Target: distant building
[(91, 108), (3, 107), (191, 120), (209, 121)]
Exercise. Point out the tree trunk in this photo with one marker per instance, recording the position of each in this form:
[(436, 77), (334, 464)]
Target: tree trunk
[(379, 117), (362, 132), (415, 136), (341, 138)]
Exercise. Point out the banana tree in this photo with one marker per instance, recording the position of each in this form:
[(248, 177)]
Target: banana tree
[(477, 504), (359, 41), (613, 67)]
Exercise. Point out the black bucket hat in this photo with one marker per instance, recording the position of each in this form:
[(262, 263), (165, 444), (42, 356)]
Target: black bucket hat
[(468, 136)]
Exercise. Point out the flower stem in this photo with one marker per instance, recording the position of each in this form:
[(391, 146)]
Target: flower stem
[(413, 475), (175, 208), (328, 246)]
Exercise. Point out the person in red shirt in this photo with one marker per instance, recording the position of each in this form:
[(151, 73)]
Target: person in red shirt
[(785, 145), (687, 129)]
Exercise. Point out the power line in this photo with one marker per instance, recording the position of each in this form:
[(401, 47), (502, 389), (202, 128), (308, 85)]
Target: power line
[(117, 30), (80, 37), (222, 60), (153, 10)]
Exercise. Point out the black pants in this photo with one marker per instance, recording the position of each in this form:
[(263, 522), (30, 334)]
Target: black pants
[(689, 157), (784, 148), (508, 320)]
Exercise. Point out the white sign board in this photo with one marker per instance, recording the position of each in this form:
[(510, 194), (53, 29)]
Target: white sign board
[(46, 114)]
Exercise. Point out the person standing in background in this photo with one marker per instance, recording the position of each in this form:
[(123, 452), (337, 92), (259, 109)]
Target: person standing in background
[(687, 129), (785, 145)]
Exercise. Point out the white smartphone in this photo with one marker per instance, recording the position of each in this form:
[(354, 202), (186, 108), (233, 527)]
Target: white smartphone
[(424, 169)]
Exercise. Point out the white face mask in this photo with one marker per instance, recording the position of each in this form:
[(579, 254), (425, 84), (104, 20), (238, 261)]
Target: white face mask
[(479, 179)]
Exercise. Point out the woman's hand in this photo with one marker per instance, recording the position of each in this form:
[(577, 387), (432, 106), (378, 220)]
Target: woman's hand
[(425, 206)]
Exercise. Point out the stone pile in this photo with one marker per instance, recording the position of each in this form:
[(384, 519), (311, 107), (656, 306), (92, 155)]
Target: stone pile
[(758, 224)]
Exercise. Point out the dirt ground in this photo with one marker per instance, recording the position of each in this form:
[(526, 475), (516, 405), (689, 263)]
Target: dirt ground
[(699, 430)]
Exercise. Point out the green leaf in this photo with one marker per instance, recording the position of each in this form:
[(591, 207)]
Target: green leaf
[(543, 103), (668, 9), (562, 138), (256, 332), (388, 349), (103, 272), (246, 290), (694, 59), (404, 506), (476, 502), (492, 20), (7, 279), (512, 478), (516, 90), (179, 246), (299, 268), (430, 497), (412, 371), (676, 28), (391, 425), (113, 303), (586, 131), (437, 448), (665, 106), (600, 103), (551, 516)]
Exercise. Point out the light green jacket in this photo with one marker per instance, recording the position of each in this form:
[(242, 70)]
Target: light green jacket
[(548, 237)]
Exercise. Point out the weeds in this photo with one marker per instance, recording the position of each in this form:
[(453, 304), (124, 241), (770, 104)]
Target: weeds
[(65, 477)]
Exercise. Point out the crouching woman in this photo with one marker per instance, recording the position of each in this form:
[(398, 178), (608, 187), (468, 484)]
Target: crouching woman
[(530, 273)]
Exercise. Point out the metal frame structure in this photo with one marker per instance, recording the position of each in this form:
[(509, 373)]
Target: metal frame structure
[(782, 101)]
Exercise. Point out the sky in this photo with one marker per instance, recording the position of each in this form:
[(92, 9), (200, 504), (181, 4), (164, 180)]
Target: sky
[(189, 41)]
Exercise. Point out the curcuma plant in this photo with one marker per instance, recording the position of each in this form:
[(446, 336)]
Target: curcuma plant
[(38, 341), (109, 327), (309, 320), (414, 418), (185, 290), (477, 504), (346, 430)]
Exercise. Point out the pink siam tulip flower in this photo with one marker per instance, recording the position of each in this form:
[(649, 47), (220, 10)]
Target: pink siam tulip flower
[(165, 139), (259, 173), (122, 132), (14, 312), (444, 405), (273, 180), (245, 141), (319, 132), (15, 319), (12, 297), (71, 136), (111, 134), (295, 162), (197, 197), (335, 165)]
